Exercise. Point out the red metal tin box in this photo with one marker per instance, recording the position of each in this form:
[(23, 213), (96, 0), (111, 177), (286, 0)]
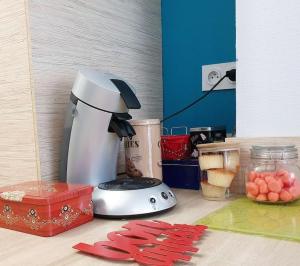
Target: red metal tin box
[(45, 208)]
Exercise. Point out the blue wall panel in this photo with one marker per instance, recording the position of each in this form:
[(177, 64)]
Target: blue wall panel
[(196, 33)]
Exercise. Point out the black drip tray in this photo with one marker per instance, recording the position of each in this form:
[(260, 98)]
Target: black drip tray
[(128, 183)]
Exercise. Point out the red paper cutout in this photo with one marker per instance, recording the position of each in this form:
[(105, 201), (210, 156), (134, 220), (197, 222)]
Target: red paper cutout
[(109, 250), (132, 237), (140, 242)]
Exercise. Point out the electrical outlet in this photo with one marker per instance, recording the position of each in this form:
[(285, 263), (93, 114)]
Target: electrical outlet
[(211, 74), (213, 77)]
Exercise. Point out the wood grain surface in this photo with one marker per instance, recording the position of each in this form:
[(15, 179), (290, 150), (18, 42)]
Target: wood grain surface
[(18, 153), (118, 36), (217, 248)]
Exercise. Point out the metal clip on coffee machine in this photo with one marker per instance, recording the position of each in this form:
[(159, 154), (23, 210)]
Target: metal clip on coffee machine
[(96, 121)]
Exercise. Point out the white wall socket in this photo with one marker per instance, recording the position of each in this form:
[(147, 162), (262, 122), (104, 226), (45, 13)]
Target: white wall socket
[(211, 74)]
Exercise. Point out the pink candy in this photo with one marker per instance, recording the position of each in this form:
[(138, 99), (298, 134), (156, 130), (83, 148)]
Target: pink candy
[(272, 186)]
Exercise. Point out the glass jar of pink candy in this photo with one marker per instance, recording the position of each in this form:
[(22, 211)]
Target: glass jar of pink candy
[(273, 175)]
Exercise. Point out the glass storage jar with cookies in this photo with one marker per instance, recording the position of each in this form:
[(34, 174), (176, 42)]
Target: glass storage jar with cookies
[(219, 165)]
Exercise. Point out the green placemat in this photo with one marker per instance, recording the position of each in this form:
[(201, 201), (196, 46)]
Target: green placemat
[(245, 216)]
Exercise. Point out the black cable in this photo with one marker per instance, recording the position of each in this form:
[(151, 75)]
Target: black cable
[(231, 74), (196, 101)]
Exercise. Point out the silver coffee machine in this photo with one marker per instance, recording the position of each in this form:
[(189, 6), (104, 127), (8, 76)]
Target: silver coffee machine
[(97, 119), (98, 107)]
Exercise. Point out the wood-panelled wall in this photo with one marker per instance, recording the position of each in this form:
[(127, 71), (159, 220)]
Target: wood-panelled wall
[(18, 153), (46, 43)]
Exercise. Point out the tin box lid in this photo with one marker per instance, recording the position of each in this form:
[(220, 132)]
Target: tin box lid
[(201, 129), (144, 122), (43, 192), (218, 146), (274, 152)]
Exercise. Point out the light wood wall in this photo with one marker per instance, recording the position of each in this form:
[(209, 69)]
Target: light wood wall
[(18, 153), (122, 37), (43, 44)]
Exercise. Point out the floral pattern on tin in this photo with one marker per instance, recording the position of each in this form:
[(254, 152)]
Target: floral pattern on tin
[(32, 213), (89, 209), (7, 215), (66, 217), (33, 221), (65, 208)]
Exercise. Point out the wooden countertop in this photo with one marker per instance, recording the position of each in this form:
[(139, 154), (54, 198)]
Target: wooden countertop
[(216, 249)]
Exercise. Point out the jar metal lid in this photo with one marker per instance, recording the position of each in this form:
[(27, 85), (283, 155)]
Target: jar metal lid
[(218, 146), (201, 129), (278, 152), (144, 122)]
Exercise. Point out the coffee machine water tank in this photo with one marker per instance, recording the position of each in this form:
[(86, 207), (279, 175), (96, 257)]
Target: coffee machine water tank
[(96, 121)]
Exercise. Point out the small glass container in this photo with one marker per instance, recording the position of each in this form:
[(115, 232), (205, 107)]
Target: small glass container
[(219, 165), (273, 174)]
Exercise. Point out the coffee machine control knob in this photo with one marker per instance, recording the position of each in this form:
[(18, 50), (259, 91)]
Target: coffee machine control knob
[(164, 195), (152, 200)]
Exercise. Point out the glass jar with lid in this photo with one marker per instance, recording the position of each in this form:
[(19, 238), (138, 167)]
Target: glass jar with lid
[(273, 174), (219, 165)]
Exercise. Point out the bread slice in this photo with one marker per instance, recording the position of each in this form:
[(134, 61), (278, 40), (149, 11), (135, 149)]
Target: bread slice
[(211, 161), (232, 161), (220, 177), (212, 192)]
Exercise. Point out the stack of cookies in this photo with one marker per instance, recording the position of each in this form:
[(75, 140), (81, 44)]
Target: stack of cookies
[(219, 164)]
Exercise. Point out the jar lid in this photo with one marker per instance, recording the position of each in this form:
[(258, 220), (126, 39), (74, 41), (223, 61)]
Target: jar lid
[(218, 146), (278, 152), (196, 129), (144, 122)]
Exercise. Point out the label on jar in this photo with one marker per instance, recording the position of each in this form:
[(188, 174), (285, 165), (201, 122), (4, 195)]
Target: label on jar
[(133, 157), (142, 152), (198, 138)]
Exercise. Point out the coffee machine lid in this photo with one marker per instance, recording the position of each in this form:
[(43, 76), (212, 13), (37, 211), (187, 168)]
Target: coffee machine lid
[(104, 91)]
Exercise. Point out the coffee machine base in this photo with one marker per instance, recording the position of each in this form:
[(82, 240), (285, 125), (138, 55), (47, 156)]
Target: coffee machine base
[(130, 197)]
